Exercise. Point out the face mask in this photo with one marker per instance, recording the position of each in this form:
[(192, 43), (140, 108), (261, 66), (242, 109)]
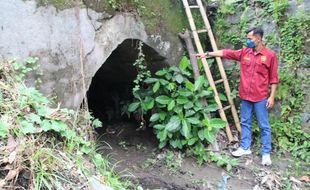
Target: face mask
[(250, 43)]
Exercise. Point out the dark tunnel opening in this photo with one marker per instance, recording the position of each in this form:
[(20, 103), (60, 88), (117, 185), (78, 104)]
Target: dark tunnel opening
[(111, 87)]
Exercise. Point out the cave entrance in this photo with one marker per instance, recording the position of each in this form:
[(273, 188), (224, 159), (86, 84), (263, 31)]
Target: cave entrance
[(111, 87)]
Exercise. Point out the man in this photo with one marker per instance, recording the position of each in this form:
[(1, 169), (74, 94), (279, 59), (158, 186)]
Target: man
[(258, 71)]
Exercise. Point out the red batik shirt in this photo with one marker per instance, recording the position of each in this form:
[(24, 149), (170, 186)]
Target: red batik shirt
[(257, 72)]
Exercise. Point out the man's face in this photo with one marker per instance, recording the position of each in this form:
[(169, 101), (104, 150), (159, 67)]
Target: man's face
[(253, 37)]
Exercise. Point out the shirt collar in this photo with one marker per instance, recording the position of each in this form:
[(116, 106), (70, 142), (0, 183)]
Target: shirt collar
[(263, 51)]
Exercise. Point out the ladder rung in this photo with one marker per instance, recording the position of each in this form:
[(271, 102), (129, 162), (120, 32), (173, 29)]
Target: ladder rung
[(193, 6), (219, 81), (226, 108), (202, 31)]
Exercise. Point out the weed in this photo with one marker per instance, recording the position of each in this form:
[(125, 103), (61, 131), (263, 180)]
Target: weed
[(54, 146)]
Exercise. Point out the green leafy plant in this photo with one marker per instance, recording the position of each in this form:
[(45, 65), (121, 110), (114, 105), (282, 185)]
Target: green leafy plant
[(52, 141), (179, 117)]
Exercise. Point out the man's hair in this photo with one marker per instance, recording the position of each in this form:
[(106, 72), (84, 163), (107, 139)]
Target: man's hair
[(256, 31)]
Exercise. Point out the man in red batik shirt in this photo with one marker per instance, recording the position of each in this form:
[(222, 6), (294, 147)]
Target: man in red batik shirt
[(258, 71)]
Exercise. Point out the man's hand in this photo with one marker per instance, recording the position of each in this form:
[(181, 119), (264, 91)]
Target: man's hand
[(270, 102), (201, 55)]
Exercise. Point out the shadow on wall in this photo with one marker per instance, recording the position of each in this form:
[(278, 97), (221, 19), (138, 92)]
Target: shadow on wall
[(112, 85)]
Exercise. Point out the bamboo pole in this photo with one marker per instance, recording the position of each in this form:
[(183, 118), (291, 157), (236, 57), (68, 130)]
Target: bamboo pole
[(206, 67), (220, 65), (186, 37)]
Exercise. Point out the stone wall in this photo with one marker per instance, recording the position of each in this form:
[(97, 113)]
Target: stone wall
[(54, 35)]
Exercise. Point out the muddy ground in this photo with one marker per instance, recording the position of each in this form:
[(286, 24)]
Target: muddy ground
[(135, 154)]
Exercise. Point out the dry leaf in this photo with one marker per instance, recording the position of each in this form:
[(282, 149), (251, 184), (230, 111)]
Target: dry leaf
[(12, 157), (295, 187), (257, 187), (305, 179), (265, 178), (2, 183), (293, 179), (103, 179), (12, 144), (11, 174), (248, 162)]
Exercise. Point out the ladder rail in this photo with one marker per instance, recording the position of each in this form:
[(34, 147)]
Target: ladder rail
[(220, 64), (206, 68)]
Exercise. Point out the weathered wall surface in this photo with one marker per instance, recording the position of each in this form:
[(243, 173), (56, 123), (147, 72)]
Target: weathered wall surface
[(53, 36)]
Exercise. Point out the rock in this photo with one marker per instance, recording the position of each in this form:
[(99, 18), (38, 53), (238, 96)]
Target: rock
[(95, 184), (54, 36)]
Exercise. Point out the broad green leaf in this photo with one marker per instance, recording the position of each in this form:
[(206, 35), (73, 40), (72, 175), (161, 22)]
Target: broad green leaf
[(159, 127), (163, 82), (162, 144), (171, 86), (189, 85), (201, 134), (176, 143), (209, 135), (4, 129), (179, 78), (174, 68), (204, 93), (217, 123), (171, 105), (69, 134), (46, 125), (184, 63), (189, 113), (161, 72), (182, 100), (156, 86), (212, 107), (34, 118), (58, 125), (173, 124), (162, 115), (206, 122), (44, 111), (162, 135), (188, 105), (185, 129), (163, 99), (193, 120), (150, 80), (155, 117), (222, 97), (27, 127), (168, 76), (133, 106), (192, 141), (198, 83), (185, 92), (96, 123), (86, 149), (149, 104)]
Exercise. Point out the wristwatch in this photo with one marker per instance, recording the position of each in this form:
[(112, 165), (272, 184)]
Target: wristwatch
[(207, 53)]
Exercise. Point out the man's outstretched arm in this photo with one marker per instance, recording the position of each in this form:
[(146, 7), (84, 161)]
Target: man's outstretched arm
[(225, 53), (218, 53)]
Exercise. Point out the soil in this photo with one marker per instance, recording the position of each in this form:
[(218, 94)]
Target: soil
[(135, 154)]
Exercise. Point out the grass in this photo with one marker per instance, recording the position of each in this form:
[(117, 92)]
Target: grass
[(53, 147)]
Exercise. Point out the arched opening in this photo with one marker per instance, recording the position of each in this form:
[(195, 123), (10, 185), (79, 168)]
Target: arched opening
[(111, 87)]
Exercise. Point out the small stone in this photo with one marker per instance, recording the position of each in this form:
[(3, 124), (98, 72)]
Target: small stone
[(95, 184)]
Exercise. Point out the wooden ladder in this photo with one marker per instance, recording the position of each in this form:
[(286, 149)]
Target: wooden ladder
[(223, 79)]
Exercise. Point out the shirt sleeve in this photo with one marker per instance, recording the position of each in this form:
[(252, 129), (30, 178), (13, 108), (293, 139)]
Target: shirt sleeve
[(273, 72), (232, 54)]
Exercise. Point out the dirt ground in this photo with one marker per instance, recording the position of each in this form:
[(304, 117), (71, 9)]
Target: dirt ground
[(135, 154)]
